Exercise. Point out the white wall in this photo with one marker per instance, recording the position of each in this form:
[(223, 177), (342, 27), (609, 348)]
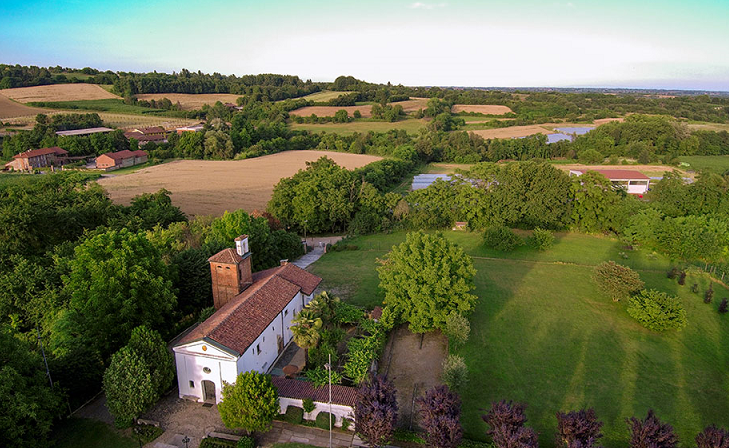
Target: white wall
[(638, 189), (338, 411), (190, 368)]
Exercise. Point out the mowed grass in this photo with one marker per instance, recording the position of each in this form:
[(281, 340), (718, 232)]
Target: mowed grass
[(324, 95), (79, 432), (717, 164), (543, 334), (410, 125)]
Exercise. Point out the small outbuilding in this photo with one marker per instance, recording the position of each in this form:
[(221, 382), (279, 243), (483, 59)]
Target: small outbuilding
[(120, 159), (633, 182)]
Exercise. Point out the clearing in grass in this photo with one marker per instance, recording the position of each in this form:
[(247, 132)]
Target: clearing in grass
[(486, 109), (544, 334), (324, 95), (210, 187)]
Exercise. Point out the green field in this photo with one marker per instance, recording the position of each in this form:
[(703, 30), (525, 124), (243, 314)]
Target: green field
[(410, 125), (107, 105), (717, 164), (78, 432), (543, 334), (324, 95)]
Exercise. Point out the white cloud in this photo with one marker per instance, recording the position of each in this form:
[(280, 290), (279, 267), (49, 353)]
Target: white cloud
[(421, 5)]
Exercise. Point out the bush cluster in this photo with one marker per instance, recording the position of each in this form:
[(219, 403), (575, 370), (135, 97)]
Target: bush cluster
[(455, 372), (322, 420), (657, 310), (294, 414), (618, 281), (502, 238), (541, 239)]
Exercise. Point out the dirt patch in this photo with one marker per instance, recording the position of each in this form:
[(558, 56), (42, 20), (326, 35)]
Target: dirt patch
[(191, 101), (329, 111), (59, 92), (486, 109), (11, 109), (207, 187), (413, 104), (414, 363), (600, 121)]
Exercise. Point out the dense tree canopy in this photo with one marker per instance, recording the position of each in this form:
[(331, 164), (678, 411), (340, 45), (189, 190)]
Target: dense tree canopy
[(425, 279), (250, 404)]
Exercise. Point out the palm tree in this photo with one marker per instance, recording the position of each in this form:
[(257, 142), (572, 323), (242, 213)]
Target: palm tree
[(306, 328), (325, 306)]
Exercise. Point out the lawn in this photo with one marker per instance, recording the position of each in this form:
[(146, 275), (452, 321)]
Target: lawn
[(80, 432), (543, 334), (411, 125), (717, 164), (324, 95)]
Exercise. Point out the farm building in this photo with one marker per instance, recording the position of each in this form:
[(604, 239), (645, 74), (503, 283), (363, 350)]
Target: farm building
[(192, 128), (633, 182), (37, 158), (120, 159), (87, 131), (155, 134), (250, 328)]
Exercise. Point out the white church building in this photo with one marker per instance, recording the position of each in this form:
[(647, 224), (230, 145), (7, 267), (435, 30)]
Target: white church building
[(250, 328)]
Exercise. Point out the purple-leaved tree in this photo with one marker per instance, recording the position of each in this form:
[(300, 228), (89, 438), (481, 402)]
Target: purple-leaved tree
[(440, 416), (713, 437), (578, 429), (506, 421), (651, 432), (375, 412)]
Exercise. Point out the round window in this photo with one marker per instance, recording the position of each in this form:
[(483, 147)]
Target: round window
[(204, 347), (206, 369)]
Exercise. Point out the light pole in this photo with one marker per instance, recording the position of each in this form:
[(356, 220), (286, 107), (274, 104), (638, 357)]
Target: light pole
[(328, 366)]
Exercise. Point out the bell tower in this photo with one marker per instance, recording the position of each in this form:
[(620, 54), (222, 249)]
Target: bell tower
[(231, 272)]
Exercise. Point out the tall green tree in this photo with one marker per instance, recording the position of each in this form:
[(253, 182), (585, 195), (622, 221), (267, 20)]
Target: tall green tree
[(306, 329), (129, 387), (250, 404), (152, 349), (117, 281), (425, 279)]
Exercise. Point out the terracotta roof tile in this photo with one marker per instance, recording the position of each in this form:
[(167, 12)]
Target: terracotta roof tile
[(119, 155), (239, 322), (227, 256), (297, 389), (41, 152)]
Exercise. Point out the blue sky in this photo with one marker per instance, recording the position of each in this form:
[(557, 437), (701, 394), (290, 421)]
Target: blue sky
[(658, 44)]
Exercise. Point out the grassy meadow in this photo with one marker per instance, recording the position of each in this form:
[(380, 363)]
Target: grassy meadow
[(80, 432), (324, 95), (411, 125), (717, 164), (542, 333)]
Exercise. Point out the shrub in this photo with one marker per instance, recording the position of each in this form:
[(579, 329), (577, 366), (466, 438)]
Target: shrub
[(590, 156), (651, 432), (346, 313), (501, 238), (322, 420), (404, 435), (308, 404), (246, 442), (617, 281), (578, 429), (457, 329), (682, 278), (320, 377), (657, 310), (147, 433), (709, 294), (723, 306), (541, 239), (673, 273), (346, 423), (294, 414), (713, 437), (695, 288), (455, 372), (318, 356), (214, 442)]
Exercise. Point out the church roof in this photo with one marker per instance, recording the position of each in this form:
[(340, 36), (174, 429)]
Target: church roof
[(239, 322)]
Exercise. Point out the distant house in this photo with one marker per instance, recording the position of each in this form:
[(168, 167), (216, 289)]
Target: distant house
[(250, 328), (192, 128), (37, 158), (633, 182), (120, 159), (87, 131), (155, 134)]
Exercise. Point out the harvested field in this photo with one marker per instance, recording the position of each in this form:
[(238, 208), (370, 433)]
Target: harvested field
[(11, 109), (487, 109), (648, 170), (329, 111), (513, 131), (58, 92), (413, 104), (324, 95), (411, 126), (207, 187), (191, 101)]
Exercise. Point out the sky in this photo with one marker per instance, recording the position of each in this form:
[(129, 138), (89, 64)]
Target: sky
[(666, 44)]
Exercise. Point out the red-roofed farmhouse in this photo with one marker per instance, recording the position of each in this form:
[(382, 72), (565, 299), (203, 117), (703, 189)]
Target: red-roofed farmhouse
[(37, 158), (120, 159), (250, 328)]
